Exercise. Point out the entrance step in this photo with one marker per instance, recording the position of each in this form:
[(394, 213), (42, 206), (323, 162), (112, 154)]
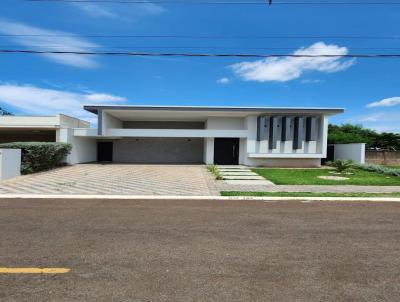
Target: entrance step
[(250, 182), (253, 177), (232, 167), (238, 174), (235, 171)]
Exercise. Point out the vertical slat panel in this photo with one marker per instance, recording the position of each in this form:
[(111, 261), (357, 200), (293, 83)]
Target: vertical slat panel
[(287, 129), (311, 129), (262, 128), (298, 135), (273, 132)]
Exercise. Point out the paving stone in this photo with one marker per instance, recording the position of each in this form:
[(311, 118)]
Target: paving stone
[(130, 179)]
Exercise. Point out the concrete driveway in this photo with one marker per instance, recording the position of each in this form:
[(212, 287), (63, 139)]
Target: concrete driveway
[(117, 179), (222, 251)]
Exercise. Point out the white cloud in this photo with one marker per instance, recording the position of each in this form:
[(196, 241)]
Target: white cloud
[(371, 118), (223, 81), (122, 12), (34, 37), (311, 81), (386, 102), (42, 101), (379, 121), (290, 68), (94, 10)]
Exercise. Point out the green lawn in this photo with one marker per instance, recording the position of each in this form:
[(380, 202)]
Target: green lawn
[(306, 194), (310, 177)]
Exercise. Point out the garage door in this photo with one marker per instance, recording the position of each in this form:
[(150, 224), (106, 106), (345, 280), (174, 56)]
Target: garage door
[(159, 150)]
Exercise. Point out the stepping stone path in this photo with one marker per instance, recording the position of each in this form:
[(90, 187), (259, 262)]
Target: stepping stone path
[(241, 175)]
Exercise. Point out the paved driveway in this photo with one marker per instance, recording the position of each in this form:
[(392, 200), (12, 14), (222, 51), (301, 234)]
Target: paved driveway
[(115, 179), (194, 251)]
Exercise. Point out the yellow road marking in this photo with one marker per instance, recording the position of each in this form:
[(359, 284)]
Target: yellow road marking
[(33, 270)]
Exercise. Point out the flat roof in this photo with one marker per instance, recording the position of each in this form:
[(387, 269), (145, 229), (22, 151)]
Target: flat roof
[(95, 108)]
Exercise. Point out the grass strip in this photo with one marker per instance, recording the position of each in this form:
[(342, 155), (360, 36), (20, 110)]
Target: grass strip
[(307, 194), (311, 177)]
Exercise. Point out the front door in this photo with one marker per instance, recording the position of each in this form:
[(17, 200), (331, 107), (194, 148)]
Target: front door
[(226, 151), (104, 151)]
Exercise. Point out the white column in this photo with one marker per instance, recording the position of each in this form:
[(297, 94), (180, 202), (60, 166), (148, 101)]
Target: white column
[(209, 150)]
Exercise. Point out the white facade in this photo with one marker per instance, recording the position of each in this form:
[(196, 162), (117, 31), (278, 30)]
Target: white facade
[(248, 136)]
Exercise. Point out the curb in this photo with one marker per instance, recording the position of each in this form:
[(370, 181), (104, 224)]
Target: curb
[(199, 198)]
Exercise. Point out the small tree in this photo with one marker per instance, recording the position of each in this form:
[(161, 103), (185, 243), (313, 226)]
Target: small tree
[(4, 112)]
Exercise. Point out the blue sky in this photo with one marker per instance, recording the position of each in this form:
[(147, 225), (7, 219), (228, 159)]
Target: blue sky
[(36, 84)]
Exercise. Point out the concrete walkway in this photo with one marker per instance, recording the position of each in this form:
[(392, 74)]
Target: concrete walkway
[(242, 175)]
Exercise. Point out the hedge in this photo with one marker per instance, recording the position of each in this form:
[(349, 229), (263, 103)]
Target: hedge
[(39, 156)]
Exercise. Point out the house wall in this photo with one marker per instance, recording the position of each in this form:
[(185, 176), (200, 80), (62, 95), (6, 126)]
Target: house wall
[(283, 147), (108, 122), (162, 125), (29, 121), (284, 162), (84, 149), (158, 150), (65, 121), (225, 123)]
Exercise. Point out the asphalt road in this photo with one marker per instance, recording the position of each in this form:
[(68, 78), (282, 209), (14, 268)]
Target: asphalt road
[(201, 250)]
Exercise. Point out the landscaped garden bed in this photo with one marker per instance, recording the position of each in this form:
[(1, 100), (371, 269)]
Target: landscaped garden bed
[(311, 177)]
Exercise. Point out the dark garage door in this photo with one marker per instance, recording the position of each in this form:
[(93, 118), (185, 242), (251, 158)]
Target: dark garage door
[(159, 150)]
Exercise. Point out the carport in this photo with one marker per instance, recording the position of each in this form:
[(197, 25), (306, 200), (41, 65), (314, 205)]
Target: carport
[(8, 135)]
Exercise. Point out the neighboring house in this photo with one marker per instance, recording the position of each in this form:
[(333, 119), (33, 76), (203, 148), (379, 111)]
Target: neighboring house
[(285, 137)]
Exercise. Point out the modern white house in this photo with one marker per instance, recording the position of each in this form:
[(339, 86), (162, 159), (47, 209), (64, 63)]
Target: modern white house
[(280, 137)]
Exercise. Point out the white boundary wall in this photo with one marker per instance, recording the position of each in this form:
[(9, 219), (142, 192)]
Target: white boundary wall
[(10, 163), (354, 152)]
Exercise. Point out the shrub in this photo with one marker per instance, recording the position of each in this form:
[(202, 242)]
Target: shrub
[(39, 156), (379, 169), (214, 171), (341, 165)]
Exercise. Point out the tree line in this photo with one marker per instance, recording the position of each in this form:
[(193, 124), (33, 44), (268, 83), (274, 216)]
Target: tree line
[(348, 133)]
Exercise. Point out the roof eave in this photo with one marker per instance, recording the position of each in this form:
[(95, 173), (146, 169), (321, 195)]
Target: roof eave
[(329, 111)]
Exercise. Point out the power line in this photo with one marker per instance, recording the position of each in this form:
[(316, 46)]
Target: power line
[(222, 2), (133, 48), (211, 37), (237, 55)]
